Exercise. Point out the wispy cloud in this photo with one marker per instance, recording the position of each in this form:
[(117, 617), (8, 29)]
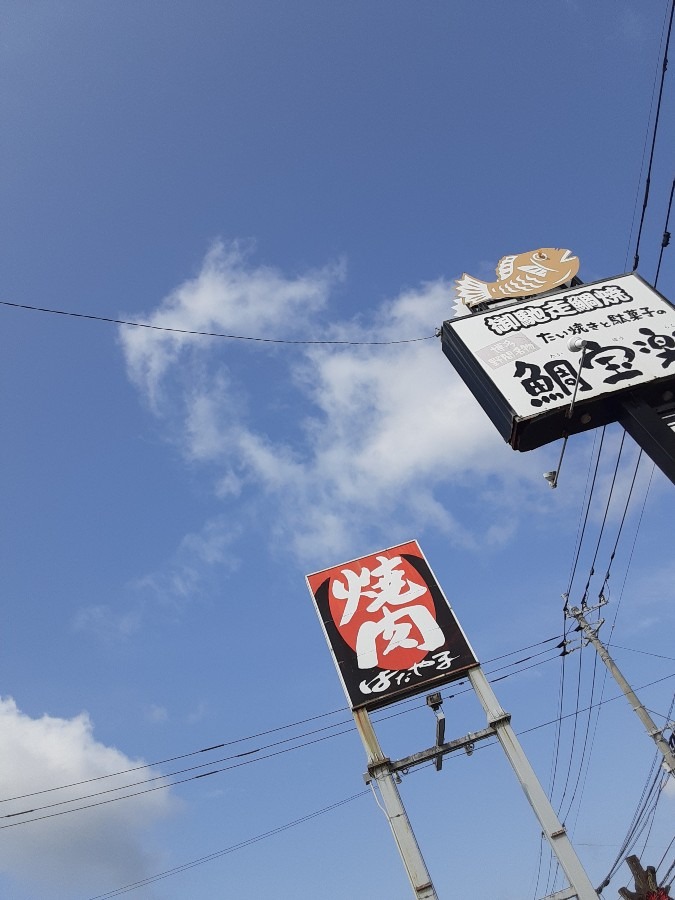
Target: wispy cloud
[(363, 434), (200, 557)]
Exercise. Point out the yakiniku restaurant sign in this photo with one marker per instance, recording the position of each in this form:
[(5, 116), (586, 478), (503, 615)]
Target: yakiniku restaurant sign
[(524, 361), (389, 627)]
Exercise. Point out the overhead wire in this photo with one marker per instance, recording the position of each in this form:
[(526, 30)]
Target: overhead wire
[(185, 866), (257, 754), (587, 749), (645, 202), (665, 853), (258, 734), (581, 530), (247, 762), (621, 524), (152, 879), (659, 795), (601, 531), (665, 240), (214, 334)]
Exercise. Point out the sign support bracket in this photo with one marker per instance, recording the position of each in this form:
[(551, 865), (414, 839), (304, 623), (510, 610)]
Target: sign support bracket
[(648, 429)]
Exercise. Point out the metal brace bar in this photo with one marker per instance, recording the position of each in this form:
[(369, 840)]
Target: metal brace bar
[(566, 894), (432, 752)]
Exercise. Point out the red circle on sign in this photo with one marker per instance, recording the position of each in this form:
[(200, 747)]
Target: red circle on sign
[(397, 657)]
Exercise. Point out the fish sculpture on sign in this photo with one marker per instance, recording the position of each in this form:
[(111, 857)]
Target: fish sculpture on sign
[(520, 275)]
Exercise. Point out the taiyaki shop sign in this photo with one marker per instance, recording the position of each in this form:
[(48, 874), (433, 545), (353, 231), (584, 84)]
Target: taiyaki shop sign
[(389, 627), (525, 362)]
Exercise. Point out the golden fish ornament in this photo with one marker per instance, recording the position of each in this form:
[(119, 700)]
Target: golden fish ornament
[(520, 275)]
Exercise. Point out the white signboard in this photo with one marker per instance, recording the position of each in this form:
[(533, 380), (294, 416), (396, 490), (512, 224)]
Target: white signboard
[(525, 351)]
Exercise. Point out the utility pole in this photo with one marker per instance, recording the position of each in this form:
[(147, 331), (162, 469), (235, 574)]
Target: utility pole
[(654, 732)]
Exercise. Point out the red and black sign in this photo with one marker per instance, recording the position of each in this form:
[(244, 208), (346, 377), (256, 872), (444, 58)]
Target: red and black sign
[(389, 627)]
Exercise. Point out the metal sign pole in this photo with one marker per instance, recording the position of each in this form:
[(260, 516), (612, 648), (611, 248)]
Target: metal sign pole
[(379, 766), (650, 430), (551, 826)]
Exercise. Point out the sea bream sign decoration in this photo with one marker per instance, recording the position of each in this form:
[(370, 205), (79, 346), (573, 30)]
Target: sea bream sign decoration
[(520, 275), (389, 627)]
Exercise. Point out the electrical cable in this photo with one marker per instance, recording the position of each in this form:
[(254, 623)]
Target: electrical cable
[(585, 760), (643, 652), (658, 797), (583, 605), (591, 572), (580, 540), (623, 519), (215, 334), (541, 852), (160, 787), (270, 756), (665, 877), (218, 853), (581, 529), (644, 147), (240, 845), (164, 777), (654, 134), (624, 850), (179, 756), (574, 731), (665, 240), (258, 734), (632, 833)]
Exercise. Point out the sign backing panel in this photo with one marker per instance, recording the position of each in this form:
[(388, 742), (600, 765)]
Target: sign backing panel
[(518, 362), (389, 627)]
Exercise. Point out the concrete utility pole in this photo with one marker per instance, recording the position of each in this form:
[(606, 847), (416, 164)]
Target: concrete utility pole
[(654, 732)]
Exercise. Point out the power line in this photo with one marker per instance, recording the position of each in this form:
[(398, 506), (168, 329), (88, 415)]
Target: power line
[(665, 240), (164, 777), (654, 134), (621, 524), (258, 734), (211, 856), (167, 784), (214, 334), (644, 652), (270, 756), (201, 860), (591, 571)]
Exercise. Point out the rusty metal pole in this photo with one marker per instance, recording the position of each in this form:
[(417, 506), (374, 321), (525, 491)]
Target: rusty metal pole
[(379, 767)]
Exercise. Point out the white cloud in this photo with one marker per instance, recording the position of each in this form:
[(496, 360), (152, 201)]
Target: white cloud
[(199, 557), (374, 430), (107, 623), (226, 296), (157, 714), (92, 849)]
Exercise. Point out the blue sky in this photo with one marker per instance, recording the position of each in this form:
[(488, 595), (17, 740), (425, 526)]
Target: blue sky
[(305, 171)]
